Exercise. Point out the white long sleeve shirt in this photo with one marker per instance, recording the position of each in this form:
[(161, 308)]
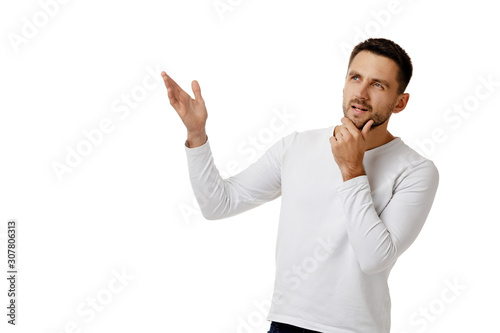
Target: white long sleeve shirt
[(337, 241)]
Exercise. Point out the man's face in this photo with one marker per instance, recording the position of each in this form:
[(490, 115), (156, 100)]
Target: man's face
[(370, 90)]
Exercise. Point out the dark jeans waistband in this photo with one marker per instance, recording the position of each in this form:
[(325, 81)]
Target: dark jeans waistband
[(286, 328)]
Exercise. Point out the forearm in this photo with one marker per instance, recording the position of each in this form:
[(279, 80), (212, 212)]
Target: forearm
[(208, 186), (220, 198), (379, 238), (370, 239)]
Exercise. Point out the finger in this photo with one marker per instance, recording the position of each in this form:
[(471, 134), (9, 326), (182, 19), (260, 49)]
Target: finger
[(344, 132), (179, 93), (339, 137), (168, 83), (336, 130), (367, 128), (171, 97), (172, 92), (167, 79), (170, 88), (196, 90), (349, 125)]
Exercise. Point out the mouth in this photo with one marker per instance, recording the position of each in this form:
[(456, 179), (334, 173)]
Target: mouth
[(358, 109)]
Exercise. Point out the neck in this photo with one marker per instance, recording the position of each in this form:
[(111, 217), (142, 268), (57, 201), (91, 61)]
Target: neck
[(378, 136)]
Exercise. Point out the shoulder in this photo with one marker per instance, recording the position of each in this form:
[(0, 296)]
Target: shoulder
[(413, 165), (308, 137), (411, 159)]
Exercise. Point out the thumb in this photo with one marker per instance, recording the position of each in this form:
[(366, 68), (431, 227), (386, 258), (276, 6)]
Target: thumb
[(196, 90), (366, 128)]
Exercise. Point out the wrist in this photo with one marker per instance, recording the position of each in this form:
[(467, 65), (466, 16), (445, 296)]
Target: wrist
[(196, 139), (350, 173)]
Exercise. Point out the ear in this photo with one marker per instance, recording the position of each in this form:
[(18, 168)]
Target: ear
[(401, 105)]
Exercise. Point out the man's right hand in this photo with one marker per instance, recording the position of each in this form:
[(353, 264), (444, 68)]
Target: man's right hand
[(193, 112)]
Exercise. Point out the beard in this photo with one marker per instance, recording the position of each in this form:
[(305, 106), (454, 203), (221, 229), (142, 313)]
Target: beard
[(379, 117)]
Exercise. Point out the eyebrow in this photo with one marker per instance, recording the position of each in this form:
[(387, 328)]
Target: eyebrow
[(384, 82)]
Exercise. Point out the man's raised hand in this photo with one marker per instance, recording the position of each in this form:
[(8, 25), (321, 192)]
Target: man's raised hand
[(192, 112)]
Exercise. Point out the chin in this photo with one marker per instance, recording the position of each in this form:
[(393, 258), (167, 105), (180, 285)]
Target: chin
[(358, 122)]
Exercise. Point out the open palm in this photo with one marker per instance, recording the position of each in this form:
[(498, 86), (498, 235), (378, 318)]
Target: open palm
[(192, 112)]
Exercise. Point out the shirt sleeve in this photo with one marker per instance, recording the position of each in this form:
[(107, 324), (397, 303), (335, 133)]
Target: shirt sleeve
[(220, 198), (378, 241)]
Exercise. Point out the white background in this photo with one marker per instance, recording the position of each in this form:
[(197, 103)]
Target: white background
[(128, 205)]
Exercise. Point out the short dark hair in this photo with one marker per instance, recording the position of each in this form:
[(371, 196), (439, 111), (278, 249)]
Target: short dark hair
[(387, 48)]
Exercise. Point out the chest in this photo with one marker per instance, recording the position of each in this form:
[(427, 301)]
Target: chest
[(310, 178)]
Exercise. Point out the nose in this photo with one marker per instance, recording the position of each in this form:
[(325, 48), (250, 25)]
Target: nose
[(362, 91)]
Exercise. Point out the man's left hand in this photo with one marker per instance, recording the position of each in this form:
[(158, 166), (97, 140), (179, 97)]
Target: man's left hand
[(348, 148)]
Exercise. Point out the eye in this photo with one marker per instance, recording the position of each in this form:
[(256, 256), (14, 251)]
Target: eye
[(378, 85), (355, 77)]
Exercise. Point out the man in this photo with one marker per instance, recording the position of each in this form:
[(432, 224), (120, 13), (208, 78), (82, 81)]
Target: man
[(354, 197)]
